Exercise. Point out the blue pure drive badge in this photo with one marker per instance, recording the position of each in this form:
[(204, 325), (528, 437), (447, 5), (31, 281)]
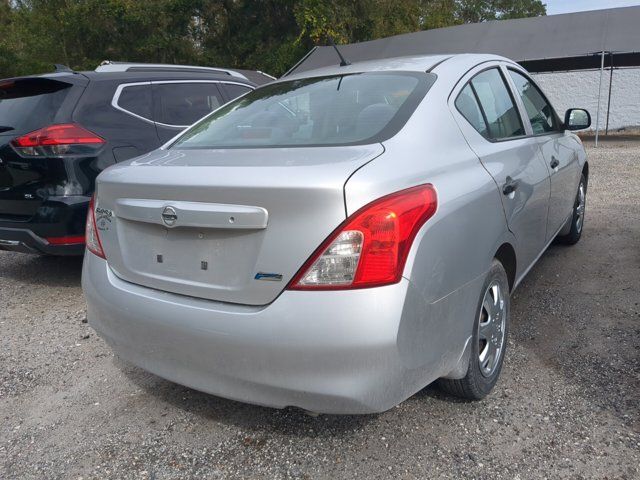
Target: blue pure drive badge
[(270, 277)]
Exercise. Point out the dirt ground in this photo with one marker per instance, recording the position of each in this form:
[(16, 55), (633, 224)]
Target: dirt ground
[(566, 407)]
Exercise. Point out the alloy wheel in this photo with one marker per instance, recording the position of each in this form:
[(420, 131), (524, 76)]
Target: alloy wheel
[(491, 329), (580, 207)]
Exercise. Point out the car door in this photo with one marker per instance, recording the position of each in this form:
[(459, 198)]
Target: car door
[(179, 104), (557, 149), (494, 128), (128, 124)]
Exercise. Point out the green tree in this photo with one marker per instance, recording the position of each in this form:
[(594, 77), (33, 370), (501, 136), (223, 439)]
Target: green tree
[(258, 34), (268, 35), (474, 11)]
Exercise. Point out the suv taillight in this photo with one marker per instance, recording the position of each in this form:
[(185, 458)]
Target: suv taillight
[(58, 140), (371, 247), (92, 238)]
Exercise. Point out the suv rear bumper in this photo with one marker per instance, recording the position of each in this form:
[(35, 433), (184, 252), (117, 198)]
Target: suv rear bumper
[(57, 217), (25, 241)]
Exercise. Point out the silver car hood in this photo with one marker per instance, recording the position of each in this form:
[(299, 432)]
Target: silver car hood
[(237, 223)]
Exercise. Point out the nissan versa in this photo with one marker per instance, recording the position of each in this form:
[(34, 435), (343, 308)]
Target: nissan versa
[(338, 239)]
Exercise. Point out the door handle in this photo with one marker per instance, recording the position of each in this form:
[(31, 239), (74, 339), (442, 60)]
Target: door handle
[(554, 162), (510, 186)]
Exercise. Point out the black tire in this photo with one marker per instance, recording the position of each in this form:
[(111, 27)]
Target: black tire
[(479, 381), (577, 217)]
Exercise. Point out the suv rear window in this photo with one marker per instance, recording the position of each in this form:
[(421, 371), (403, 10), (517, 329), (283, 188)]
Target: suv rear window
[(347, 109), (30, 103)]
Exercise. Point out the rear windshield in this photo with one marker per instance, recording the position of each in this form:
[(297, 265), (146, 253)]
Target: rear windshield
[(30, 103), (348, 109)]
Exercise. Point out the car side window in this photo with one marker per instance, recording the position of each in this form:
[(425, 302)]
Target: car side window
[(234, 90), (136, 99), (182, 104), (467, 105), (500, 113), (539, 111)]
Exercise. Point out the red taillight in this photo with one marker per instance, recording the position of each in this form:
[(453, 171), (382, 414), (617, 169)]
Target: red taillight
[(69, 240), (371, 247), (56, 140), (92, 238)]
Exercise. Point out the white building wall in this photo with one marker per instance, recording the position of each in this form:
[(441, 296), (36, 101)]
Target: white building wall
[(580, 89)]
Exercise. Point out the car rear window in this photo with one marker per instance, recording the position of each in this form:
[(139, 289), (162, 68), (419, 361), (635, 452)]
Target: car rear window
[(30, 103), (347, 109)]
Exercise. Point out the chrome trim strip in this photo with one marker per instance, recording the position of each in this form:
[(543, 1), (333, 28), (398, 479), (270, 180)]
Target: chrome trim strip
[(10, 243)]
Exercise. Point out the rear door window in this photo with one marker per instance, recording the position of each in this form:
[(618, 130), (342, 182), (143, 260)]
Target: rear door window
[(30, 103), (234, 91), (182, 104), (467, 105), (500, 112), (137, 99)]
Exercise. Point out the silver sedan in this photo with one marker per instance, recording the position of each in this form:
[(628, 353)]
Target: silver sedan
[(338, 239)]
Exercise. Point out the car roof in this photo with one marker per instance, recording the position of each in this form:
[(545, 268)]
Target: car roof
[(82, 78), (138, 76), (255, 76), (412, 63), (246, 77)]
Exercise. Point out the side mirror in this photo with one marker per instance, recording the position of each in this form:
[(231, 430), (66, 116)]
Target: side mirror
[(577, 119)]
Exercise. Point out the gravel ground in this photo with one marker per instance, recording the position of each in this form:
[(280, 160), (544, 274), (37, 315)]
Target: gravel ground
[(566, 406)]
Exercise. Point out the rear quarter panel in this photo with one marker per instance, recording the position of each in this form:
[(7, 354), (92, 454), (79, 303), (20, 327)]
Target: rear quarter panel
[(453, 251)]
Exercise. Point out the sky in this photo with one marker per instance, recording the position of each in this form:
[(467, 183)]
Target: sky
[(567, 6)]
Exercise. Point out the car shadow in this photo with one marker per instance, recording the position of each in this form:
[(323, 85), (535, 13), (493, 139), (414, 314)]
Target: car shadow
[(434, 392), (289, 421), (41, 270)]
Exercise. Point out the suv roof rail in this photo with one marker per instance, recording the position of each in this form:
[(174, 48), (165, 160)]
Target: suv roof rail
[(109, 66)]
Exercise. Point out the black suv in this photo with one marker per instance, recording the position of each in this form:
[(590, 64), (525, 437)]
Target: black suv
[(59, 130)]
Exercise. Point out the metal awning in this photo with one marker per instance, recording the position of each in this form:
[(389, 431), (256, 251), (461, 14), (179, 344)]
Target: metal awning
[(571, 41)]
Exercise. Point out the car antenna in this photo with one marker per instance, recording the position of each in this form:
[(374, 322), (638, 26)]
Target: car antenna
[(343, 62)]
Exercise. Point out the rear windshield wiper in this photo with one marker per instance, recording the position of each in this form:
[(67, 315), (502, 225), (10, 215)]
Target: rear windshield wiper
[(5, 129)]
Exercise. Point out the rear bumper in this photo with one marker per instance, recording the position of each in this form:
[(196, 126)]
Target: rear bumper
[(25, 241), (330, 352), (57, 217)]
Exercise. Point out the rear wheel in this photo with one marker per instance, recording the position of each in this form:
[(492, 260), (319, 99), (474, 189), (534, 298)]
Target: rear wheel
[(489, 340), (577, 217)]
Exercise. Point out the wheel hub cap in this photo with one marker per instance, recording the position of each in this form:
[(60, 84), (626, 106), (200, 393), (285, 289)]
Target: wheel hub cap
[(491, 329)]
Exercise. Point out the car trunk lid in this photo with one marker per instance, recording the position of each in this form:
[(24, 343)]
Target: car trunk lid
[(230, 225)]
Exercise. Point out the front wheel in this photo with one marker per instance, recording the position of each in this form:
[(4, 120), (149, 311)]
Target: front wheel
[(577, 217), (489, 340)]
